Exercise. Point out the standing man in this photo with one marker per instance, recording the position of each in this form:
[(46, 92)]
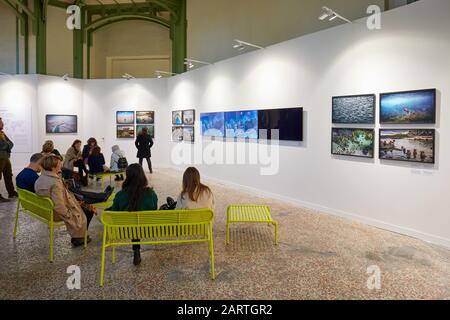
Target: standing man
[(6, 146), (144, 143)]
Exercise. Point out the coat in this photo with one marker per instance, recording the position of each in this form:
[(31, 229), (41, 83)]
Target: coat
[(71, 156), (6, 146), (116, 155), (96, 163), (65, 206), (143, 144)]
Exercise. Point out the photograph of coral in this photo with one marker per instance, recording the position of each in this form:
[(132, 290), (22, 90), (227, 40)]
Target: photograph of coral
[(353, 142)]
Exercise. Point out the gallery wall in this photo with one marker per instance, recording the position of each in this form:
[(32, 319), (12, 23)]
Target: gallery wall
[(307, 72)]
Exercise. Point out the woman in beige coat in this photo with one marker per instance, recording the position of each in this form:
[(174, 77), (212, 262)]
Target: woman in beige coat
[(73, 158), (66, 206)]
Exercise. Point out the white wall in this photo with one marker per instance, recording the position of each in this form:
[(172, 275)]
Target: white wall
[(102, 98), (307, 72)]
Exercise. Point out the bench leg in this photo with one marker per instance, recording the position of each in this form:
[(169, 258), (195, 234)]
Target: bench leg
[(211, 252), (103, 183), (228, 233), (17, 219), (276, 233), (102, 268), (50, 258), (85, 239)]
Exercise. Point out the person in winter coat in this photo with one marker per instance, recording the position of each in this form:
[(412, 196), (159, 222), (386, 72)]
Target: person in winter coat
[(73, 159), (65, 206), (117, 154), (88, 148), (144, 143)]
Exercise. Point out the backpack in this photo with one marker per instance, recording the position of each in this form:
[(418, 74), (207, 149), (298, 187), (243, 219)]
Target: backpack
[(122, 164)]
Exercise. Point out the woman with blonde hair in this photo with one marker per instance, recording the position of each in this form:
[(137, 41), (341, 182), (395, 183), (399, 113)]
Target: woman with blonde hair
[(194, 194), (49, 148)]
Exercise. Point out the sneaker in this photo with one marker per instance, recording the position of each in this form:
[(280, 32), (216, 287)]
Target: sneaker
[(2, 200), (170, 202), (137, 257)]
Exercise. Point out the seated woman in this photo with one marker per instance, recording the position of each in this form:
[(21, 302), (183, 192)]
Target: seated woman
[(96, 161), (194, 195), (88, 148), (73, 159), (66, 207), (135, 195), (49, 148)]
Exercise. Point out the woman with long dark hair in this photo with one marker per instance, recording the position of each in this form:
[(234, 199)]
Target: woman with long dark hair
[(88, 148), (144, 143), (194, 194), (135, 195)]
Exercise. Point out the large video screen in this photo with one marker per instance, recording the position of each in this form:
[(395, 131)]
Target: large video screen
[(241, 124), (213, 124), (281, 124)]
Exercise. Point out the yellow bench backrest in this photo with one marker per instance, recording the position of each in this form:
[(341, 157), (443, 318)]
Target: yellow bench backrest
[(40, 206), (158, 224)]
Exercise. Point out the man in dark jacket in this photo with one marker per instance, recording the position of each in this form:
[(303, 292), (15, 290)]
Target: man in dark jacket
[(6, 146), (143, 143)]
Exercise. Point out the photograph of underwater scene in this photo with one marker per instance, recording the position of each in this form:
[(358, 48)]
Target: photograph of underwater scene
[(213, 124), (354, 109), (353, 142), (411, 107), (413, 145), (241, 124)]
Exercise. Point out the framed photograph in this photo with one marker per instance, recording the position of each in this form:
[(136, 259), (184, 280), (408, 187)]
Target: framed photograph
[(125, 132), (359, 109), (412, 145), (61, 123), (125, 117), (188, 134), (177, 134), (213, 124), (145, 117), (408, 107), (353, 142), (189, 117), (177, 118), (150, 128), (241, 124)]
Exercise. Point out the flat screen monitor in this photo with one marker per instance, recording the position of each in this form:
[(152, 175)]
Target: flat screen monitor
[(213, 124), (241, 124), (288, 122)]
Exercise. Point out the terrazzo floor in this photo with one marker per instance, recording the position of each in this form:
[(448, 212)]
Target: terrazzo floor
[(319, 257)]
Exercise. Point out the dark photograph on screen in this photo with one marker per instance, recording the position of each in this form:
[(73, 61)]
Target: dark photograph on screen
[(213, 124), (150, 128), (281, 124), (353, 142), (241, 124), (413, 145), (354, 109), (61, 124), (411, 107)]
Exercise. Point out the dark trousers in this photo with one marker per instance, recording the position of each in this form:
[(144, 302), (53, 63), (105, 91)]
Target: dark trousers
[(6, 172), (149, 163), (136, 246), (81, 167)]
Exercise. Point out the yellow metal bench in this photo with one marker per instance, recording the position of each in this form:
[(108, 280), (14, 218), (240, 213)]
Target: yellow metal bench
[(249, 214), (156, 227), (41, 209)]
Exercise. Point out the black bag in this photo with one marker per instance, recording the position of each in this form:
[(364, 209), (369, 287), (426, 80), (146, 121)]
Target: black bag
[(122, 164)]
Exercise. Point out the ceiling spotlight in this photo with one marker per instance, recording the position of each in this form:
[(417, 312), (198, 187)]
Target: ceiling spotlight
[(66, 77), (160, 74), (191, 63), (331, 15), (241, 45), (127, 76)]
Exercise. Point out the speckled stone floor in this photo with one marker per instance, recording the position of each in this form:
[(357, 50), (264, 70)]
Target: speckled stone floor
[(319, 257)]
